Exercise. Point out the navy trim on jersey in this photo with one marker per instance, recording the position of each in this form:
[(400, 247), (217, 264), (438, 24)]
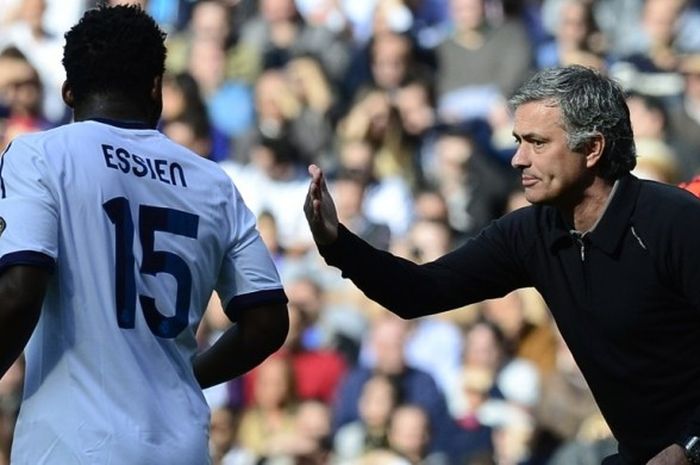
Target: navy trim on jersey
[(2, 163), (254, 299), (123, 124), (27, 257)]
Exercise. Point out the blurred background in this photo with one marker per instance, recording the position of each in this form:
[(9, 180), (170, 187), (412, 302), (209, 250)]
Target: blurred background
[(402, 102)]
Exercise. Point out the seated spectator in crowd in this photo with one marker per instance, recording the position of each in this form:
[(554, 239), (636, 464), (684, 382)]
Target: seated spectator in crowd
[(479, 63), (650, 66), (415, 103), (313, 126), (378, 398), (373, 119), (592, 444), (20, 95), (308, 442), (656, 155), (577, 38), (565, 402), (223, 443), (430, 205), (43, 50), (349, 190), (684, 117), (278, 33), (473, 437), (617, 20), (474, 186), (388, 198), (270, 415), (387, 340), (275, 182), (389, 60), (409, 435), (527, 336), (282, 108), (191, 130), (207, 65), (206, 51), (183, 102), (318, 367)]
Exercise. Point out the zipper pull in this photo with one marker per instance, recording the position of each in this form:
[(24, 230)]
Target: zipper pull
[(581, 245)]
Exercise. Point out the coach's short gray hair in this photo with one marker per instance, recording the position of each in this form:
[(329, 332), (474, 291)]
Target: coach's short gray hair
[(591, 105)]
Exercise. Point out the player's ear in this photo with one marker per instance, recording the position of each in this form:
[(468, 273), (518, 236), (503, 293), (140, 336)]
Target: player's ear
[(67, 94), (157, 89), (156, 100)]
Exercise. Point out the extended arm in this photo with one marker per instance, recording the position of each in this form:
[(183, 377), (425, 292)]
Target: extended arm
[(483, 268), (22, 290), (258, 333)]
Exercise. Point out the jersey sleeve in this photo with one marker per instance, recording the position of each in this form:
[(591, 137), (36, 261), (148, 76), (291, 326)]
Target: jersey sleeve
[(248, 276), (28, 211)]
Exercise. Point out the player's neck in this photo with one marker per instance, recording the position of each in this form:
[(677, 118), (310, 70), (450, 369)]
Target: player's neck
[(116, 111)]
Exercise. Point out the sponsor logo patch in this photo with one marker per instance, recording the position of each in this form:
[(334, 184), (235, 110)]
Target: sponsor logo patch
[(2, 225)]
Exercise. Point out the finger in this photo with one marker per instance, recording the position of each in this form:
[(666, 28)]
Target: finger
[(322, 183), (314, 171)]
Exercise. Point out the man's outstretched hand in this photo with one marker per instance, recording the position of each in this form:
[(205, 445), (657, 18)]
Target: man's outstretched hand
[(320, 209)]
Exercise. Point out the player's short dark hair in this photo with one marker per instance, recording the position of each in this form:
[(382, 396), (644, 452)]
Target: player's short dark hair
[(115, 51)]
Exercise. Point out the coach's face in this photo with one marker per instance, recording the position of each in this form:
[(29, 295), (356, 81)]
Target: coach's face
[(551, 173)]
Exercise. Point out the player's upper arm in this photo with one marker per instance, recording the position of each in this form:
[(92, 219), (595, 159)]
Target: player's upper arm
[(28, 210), (248, 277)]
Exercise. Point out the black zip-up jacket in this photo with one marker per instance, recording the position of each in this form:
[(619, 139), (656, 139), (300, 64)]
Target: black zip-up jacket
[(626, 297)]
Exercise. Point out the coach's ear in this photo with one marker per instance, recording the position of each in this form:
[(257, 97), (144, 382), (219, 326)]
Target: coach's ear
[(594, 150), (67, 94)]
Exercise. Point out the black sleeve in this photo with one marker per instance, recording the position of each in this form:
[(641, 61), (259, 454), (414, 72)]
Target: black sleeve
[(486, 266)]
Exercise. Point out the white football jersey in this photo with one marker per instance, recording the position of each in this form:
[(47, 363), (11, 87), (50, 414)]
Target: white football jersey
[(138, 231)]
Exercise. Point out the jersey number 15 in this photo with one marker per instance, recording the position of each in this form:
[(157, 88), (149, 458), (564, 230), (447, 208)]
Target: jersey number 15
[(151, 219)]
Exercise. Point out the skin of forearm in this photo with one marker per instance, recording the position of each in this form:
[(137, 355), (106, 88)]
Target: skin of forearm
[(21, 295), (240, 349)]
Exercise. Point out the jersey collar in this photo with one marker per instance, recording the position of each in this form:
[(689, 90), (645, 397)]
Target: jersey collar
[(122, 123)]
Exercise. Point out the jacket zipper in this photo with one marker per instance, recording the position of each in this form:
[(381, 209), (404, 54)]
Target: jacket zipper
[(581, 245)]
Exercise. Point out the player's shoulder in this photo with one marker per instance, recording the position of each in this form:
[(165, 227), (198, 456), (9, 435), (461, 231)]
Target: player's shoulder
[(45, 142), (28, 147)]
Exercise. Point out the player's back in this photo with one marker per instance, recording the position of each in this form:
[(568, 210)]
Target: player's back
[(143, 226)]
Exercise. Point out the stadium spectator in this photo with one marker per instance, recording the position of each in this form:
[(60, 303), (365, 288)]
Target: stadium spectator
[(223, 446), (387, 339), (476, 67), (268, 418), (409, 435), (349, 188), (21, 95), (278, 33), (577, 39), (43, 51), (378, 398)]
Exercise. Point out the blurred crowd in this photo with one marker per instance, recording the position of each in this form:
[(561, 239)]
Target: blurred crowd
[(402, 102)]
